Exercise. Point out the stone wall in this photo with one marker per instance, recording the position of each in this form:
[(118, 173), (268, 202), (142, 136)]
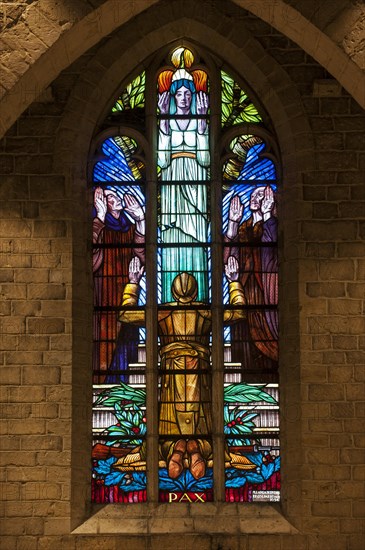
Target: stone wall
[(46, 293)]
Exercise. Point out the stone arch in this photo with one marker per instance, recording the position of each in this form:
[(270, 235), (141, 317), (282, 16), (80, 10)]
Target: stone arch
[(289, 21), (52, 51), (85, 109)]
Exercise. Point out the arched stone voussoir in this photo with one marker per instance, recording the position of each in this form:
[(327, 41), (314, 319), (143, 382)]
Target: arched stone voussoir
[(290, 22), (60, 41)]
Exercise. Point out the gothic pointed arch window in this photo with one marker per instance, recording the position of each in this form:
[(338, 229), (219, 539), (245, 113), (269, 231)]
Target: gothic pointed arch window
[(185, 356)]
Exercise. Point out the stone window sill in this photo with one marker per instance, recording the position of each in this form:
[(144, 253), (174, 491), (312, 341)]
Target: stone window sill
[(186, 518)]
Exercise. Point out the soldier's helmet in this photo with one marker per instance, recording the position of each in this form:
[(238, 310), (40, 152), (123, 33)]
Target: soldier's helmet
[(184, 288)]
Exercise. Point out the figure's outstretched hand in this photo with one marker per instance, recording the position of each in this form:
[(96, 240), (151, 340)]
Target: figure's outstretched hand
[(268, 201), (163, 102), (232, 269), (133, 208), (100, 203), (235, 209), (202, 103), (135, 270)]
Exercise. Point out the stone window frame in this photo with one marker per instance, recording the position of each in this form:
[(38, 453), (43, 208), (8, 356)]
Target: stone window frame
[(86, 109), (151, 516)]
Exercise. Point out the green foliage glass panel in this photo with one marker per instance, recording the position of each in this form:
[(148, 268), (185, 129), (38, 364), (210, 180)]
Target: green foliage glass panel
[(236, 106), (133, 96)]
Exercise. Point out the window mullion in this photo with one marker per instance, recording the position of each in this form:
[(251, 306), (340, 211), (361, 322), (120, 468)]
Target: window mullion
[(151, 308), (217, 300)]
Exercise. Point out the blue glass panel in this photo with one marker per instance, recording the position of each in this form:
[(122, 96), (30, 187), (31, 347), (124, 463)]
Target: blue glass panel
[(256, 167), (115, 167)]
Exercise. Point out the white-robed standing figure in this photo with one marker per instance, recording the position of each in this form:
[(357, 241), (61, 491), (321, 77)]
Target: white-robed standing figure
[(184, 159)]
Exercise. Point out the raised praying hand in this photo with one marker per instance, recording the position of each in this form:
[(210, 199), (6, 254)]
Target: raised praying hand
[(135, 270), (133, 208), (100, 203), (235, 209), (163, 102), (202, 103), (232, 269), (268, 201)]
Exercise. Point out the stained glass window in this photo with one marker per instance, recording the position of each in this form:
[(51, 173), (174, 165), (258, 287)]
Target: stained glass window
[(188, 298)]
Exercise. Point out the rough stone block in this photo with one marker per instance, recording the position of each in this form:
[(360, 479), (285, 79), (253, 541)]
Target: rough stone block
[(322, 342), (355, 357), (45, 326), (352, 210), (357, 192), (324, 526), (328, 392), (34, 426), (355, 249), (49, 229), (320, 250), (329, 230), (46, 292), (330, 140), (10, 542), (349, 123), (342, 410), (46, 187), (6, 275), (323, 210), (338, 193), (11, 291), (355, 392), (335, 106), (335, 325), (325, 427), (327, 88), (6, 164), (29, 342), (341, 440), (51, 308), (340, 373), (12, 325), (334, 509), (27, 394), (33, 164), (11, 526), (41, 375), (328, 290), (60, 343), (26, 307), (38, 126), (312, 193), (45, 442), (30, 210), (351, 526), (337, 160), (355, 290), (345, 307), (351, 456), (23, 358), (15, 228), (326, 542)]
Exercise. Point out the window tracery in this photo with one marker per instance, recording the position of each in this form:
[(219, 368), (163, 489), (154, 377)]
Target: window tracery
[(185, 305)]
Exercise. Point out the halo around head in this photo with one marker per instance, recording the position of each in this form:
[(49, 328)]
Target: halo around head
[(182, 58)]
